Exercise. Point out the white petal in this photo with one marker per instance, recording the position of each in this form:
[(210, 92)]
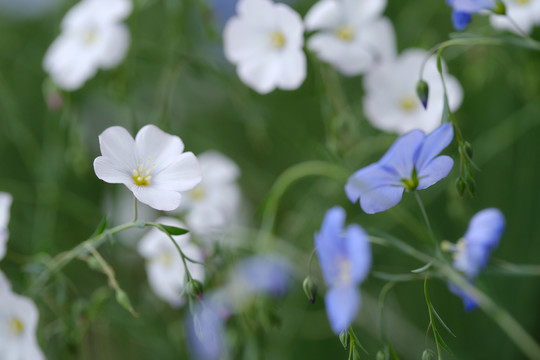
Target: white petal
[(380, 38), (118, 146), (325, 14), (454, 91), (115, 46), (293, 70), (107, 171), (161, 148), (5, 205), (261, 73), (182, 175), (242, 41), (361, 11), (5, 285), (159, 199), (217, 168), (291, 25), (259, 12), (96, 11)]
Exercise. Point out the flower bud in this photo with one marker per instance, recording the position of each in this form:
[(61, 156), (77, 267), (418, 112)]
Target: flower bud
[(380, 355), (422, 90), (310, 288), (428, 354), (467, 148), (460, 186), (499, 8), (471, 184), (344, 338), (195, 288)]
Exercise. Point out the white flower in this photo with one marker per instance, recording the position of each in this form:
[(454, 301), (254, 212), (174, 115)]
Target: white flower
[(391, 103), (92, 37), (353, 36), (265, 41), (18, 322), (215, 202), (5, 204), (526, 14), (152, 166), (164, 266)]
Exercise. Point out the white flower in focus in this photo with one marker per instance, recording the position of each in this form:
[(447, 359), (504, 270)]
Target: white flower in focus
[(265, 42), (526, 14), (215, 202), (164, 265), (391, 103), (153, 166), (92, 37), (18, 322), (5, 205), (352, 35)]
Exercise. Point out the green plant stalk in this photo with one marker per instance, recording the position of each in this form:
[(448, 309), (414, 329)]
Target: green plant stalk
[(431, 320)]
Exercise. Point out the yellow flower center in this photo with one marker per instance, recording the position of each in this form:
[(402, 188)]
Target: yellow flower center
[(89, 37), (16, 326), (165, 259), (141, 175), (522, 2), (277, 39), (345, 33), (198, 193), (344, 266), (408, 103)]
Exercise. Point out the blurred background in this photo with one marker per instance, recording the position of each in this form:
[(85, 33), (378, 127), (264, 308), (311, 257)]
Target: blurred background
[(175, 76)]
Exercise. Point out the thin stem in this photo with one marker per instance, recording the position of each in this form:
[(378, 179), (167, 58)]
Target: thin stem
[(426, 219), (382, 297), (519, 29), (431, 321), (311, 260), (135, 210)]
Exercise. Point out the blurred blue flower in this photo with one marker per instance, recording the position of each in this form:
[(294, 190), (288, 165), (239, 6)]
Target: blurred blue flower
[(410, 164), (463, 9), (267, 274), (345, 258), (473, 250), (206, 332)]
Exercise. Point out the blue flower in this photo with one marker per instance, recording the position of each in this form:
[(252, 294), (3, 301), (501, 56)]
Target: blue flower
[(345, 258), (463, 9), (267, 274), (206, 332), (473, 250), (410, 164)]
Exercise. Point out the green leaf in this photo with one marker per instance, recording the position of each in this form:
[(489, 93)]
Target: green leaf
[(101, 227), (123, 300), (173, 230), (422, 269), (440, 341), (441, 321)]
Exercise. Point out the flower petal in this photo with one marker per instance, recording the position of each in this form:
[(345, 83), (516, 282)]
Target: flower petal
[(367, 179), (381, 199), (435, 170), (325, 14), (342, 303), (486, 228), (161, 148), (434, 143), (293, 69), (115, 46), (261, 72), (241, 41), (328, 243), (359, 252), (165, 200), (469, 303), (401, 156), (118, 146), (108, 171), (181, 175), (5, 205)]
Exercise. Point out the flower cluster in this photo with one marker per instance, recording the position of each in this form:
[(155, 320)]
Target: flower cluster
[(92, 37)]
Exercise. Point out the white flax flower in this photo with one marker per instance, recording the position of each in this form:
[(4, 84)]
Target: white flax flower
[(18, 322), (352, 36), (391, 103), (92, 37), (153, 166), (164, 265), (5, 204), (525, 13), (265, 42)]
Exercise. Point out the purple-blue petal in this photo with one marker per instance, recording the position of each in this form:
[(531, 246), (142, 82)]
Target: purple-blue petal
[(433, 144), (460, 20), (206, 333), (435, 170), (381, 199), (402, 154), (330, 245), (468, 302), (485, 228), (368, 179), (359, 251), (342, 303), (267, 274)]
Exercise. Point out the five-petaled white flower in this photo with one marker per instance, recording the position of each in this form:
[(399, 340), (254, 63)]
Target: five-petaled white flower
[(352, 35), (153, 166), (5, 204), (92, 37), (18, 322), (164, 265), (265, 41), (391, 103), (215, 202), (525, 13)]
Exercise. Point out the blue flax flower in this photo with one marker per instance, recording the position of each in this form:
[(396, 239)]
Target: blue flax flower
[(205, 330), (410, 164), (345, 258), (473, 250), (266, 274), (463, 9)]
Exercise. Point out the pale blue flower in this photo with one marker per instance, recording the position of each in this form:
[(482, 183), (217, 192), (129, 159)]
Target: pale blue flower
[(410, 164), (267, 274), (463, 9), (473, 250), (206, 332), (345, 259)]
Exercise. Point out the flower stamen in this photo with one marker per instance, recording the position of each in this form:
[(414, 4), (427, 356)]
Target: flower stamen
[(345, 33), (408, 103), (16, 326), (141, 175), (277, 39)]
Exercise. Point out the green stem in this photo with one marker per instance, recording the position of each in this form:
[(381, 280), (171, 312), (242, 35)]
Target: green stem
[(135, 210), (431, 320), (426, 219)]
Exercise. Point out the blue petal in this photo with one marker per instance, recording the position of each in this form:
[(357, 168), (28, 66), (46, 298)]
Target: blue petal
[(469, 303), (436, 170), (342, 303), (367, 179), (485, 228), (381, 199), (206, 333), (460, 20), (359, 252), (329, 244), (401, 155), (434, 143), (268, 274)]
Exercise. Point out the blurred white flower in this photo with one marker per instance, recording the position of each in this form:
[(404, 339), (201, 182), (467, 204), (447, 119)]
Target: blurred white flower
[(18, 322), (5, 205), (391, 103), (526, 14), (152, 166), (164, 265), (353, 36), (265, 42), (215, 202), (92, 37)]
